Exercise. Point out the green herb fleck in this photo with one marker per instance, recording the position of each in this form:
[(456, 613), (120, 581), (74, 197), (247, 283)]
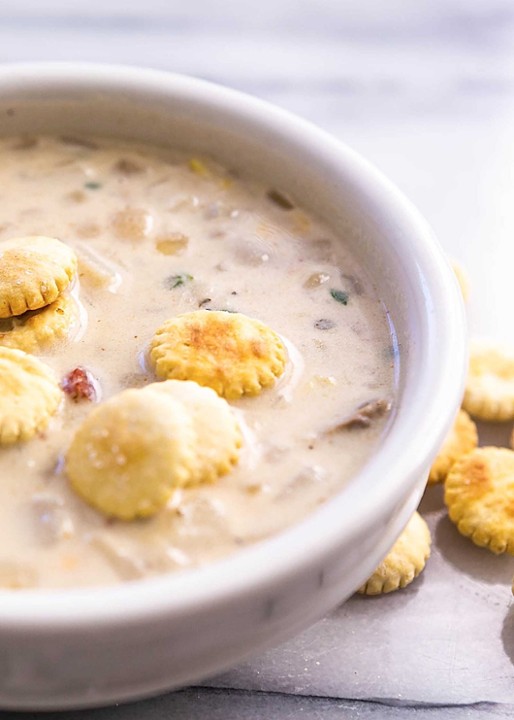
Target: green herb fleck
[(91, 185), (174, 281), (340, 296)]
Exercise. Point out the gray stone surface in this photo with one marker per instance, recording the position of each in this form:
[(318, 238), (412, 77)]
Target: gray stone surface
[(201, 703), (447, 638)]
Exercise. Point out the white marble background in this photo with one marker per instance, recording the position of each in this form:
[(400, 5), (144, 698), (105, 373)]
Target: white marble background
[(425, 89)]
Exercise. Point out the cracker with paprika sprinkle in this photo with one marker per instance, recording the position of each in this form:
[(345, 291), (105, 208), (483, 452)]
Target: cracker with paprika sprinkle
[(232, 353)]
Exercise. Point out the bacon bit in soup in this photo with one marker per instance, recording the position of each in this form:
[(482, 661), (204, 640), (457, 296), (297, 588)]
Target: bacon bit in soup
[(174, 281), (79, 384), (280, 199), (363, 415), (340, 296)]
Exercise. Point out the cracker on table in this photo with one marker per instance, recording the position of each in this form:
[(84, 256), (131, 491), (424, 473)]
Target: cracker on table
[(405, 560), (479, 494), (232, 353), (34, 271), (489, 392), (131, 452), (461, 439), (37, 330), (29, 396), (218, 437)]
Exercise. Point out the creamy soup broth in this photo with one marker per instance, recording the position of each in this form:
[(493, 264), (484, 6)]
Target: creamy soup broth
[(158, 234)]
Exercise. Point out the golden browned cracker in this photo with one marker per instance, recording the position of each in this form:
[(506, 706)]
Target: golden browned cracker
[(37, 330), (489, 392), (218, 437), (405, 560), (29, 395), (479, 493), (34, 271), (461, 439), (131, 452), (233, 354)]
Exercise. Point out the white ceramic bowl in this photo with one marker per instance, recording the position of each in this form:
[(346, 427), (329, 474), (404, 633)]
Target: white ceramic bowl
[(65, 649)]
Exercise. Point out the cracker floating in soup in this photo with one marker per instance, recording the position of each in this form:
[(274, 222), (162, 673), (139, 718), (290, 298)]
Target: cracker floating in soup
[(29, 396), (233, 354), (36, 331), (218, 437), (33, 273), (131, 452)]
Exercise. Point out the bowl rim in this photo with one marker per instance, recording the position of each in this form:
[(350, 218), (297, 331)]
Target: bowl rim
[(441, 379)]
